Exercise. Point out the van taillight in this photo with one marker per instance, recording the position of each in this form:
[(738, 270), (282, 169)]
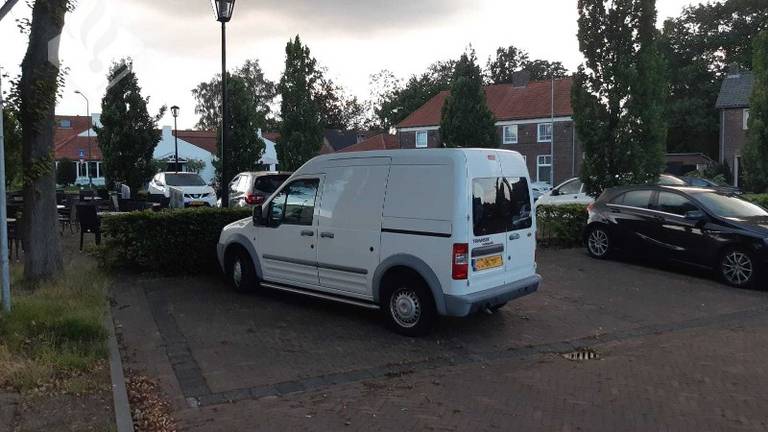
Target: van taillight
[(460, 267)]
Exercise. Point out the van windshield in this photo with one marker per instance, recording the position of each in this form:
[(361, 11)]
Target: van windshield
[(500, 205)]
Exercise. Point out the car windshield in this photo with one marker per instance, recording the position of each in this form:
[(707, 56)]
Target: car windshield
[(730, 206), (184, 180)]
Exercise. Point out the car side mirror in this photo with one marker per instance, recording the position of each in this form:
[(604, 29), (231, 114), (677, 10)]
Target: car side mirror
[(696, 216), (159, 183), (555, 192)]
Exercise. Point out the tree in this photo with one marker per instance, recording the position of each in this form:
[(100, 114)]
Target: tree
[(509, 60), (466, 120), (66, 172), (128, 135), (756, 149), (258, 87), (38, 89), (195, 165), (338, 110), (698, 46), (394, 101), (618, 113), (301, 132), (13, 137), (244, 148)]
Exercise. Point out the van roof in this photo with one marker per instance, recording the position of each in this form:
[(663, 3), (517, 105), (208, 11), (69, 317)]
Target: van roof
[(408, 156)]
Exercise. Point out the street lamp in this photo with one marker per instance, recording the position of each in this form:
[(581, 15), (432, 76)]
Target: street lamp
[(223, 10), (90, 126), (175, 112)]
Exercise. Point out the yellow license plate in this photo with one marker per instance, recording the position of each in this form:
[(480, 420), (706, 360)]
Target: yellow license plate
[(197, 204), (488, 263)]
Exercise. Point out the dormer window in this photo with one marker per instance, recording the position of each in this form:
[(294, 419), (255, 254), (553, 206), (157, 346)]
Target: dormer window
[(65, 124)]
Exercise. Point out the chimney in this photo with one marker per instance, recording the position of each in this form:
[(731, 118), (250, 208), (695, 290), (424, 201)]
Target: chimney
[(167, 134), (521, 78)]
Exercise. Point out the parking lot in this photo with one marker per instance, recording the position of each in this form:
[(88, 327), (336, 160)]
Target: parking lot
[(676, 351)]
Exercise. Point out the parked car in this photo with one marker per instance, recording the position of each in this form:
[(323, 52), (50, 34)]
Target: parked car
[(670, 180), (703, 227), (539, 189), (389, 230), (569, 192), (197, 193), (253, 188), (706, 183)]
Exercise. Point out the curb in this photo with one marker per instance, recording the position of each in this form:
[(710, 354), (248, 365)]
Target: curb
[(123, 419)]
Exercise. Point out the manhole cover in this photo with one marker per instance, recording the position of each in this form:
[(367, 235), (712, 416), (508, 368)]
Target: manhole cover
[(582, 354)]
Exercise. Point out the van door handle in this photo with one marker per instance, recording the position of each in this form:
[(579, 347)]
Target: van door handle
[(327, 235), (307, 233)]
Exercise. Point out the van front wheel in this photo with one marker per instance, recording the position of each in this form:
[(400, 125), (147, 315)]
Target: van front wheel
[(410, 310)]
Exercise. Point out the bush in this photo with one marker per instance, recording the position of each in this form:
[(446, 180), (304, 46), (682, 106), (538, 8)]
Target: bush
[(561, 225), (170, 242), (759, 199)]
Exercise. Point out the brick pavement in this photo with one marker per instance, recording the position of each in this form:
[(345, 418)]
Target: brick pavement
[(678, 352)]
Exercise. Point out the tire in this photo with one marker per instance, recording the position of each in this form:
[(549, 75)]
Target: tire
[(738, 268), (410, 309), (598, 242), (240, 271)]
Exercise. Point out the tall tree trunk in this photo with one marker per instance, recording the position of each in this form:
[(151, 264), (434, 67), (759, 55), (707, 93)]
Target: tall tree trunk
[(38, 90)]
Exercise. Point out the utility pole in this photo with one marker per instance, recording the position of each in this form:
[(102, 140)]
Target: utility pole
[(4, 266)]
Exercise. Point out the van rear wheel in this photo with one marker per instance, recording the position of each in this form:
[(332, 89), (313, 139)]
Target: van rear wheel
[(410, 310)]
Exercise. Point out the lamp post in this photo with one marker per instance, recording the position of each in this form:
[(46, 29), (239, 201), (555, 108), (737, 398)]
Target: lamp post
[(175, 112), (90, 126), (223, 10)]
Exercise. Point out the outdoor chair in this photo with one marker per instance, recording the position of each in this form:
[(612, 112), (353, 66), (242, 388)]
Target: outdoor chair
[(68, 215), (60, 196), (14, 238), (89, 222)]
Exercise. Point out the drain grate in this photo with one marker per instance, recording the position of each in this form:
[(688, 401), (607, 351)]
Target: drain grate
[(582, 354)]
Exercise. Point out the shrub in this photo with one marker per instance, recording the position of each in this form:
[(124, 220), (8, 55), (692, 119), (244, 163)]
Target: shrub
[(759, 199), (561, 225), (170, 242)]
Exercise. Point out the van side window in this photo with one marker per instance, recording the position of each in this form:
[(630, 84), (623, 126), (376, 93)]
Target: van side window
[(500, 205), (295, 204)]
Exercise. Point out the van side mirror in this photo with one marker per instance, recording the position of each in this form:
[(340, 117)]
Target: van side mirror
[(258, 215)]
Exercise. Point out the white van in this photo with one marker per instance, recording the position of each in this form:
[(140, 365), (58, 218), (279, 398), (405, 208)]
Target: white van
[(416, 234)]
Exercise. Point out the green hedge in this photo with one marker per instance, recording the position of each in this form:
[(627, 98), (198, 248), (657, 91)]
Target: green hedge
[(561, 225), (170, 242), (759, 199)]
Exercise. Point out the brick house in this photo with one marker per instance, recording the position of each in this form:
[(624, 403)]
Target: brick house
[(733, 105), (524, 121)]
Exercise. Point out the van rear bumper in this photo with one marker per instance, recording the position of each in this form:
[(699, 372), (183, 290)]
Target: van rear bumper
[(464, 305)]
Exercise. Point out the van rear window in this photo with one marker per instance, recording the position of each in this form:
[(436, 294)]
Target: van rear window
[(500, 205)]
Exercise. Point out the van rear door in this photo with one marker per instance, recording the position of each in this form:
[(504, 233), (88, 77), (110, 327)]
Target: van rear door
[(489, 226), (521, 230)]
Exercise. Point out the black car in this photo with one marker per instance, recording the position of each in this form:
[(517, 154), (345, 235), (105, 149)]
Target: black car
[(704, 227)]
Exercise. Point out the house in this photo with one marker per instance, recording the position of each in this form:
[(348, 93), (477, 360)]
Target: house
[(75, 140), (335, 140), (382, 141), (681, 164), (733, 106), (533, 118)]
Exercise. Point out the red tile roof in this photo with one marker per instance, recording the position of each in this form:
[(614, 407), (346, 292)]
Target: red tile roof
[(70, 148), (506, 101), (272, 136), (79, 124), (379, 142), (206, 140)]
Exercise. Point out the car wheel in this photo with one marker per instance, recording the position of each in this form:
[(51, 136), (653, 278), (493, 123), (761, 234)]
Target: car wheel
[(240, 271), (738, 268), (410, 310), (599, 243)]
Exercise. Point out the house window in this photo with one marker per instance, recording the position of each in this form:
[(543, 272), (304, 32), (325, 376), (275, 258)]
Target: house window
[(510, 134), (421, 140), (746, 119), (544, 169), (82, 169), (65, 124), (545, 132)]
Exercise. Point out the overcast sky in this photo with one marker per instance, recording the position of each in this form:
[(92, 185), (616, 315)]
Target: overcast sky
[(175, 44)]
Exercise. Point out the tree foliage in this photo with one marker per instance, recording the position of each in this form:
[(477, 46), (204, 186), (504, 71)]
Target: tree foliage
[(258, 87), (756, 149), (511, 59), (699, 46), (129, 134), (338, 110), (66, 172), (618, 108), (301, 131), (244, 147), (466, 120), (394, 100), (12, 136)]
